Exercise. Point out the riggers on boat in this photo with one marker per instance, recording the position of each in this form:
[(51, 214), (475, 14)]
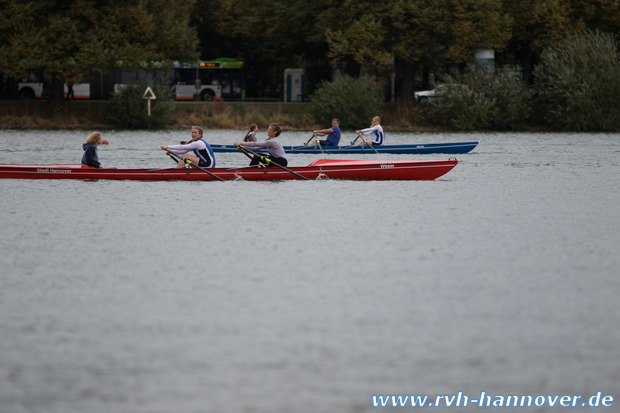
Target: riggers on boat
[(319, 169), (452, 147)]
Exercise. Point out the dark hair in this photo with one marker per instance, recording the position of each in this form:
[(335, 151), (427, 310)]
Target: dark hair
[(252, 127)]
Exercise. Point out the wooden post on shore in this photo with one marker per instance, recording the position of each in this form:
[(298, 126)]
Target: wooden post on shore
[(149, 95)]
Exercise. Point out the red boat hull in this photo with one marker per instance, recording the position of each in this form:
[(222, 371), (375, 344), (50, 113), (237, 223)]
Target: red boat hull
[(322, 168)]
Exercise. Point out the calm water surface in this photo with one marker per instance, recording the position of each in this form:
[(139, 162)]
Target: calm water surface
[(187, 297)]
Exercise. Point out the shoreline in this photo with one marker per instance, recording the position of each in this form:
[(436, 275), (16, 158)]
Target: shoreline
[(92, 115)]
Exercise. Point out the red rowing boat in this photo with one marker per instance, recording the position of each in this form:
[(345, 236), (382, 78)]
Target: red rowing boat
[(322, 168)]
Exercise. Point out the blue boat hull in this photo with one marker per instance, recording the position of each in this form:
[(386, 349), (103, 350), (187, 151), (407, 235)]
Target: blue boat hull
[(454, 147)]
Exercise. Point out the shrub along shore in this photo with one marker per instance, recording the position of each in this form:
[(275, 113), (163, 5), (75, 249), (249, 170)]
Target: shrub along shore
[(87, 114)]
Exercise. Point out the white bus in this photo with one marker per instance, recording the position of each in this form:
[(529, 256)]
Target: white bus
[(204, 80), (36, 86), (208, 80)]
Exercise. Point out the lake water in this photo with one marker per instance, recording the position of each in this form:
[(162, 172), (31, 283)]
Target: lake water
[(156, 297)]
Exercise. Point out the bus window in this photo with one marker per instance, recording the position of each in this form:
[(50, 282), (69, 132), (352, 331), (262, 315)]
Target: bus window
[(185, 76)]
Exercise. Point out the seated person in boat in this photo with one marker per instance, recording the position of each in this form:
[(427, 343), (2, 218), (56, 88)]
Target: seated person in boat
[(203, 154), (333, 135), (90, 158), (272, 145), (251, 135), (377, 129)]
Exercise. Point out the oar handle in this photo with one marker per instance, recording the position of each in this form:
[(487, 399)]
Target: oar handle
[(268, 161), (249, 153), (173, 156), (366, 142), (189, 162)]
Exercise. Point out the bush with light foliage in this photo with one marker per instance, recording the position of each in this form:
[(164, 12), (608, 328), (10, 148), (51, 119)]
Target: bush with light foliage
[(480, 99), (354, 101), (578, 83)]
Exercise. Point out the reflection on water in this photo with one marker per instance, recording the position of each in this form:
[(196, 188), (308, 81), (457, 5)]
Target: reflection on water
[(308, 296)]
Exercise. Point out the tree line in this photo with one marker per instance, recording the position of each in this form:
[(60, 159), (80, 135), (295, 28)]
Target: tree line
[(414, 41)]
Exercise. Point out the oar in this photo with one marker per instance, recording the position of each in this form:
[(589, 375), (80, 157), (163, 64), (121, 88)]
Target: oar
[(365, 141), (318, 142), (248, 155), (353, 143), (268, 161), (176, 158), (189, 162)]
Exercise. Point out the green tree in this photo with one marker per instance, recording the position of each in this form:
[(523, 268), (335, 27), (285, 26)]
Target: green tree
[(272, 35), (603, 15), (578, 80), (214, 41), (476, 22), (69, 38), (417, 32), (537, 24)]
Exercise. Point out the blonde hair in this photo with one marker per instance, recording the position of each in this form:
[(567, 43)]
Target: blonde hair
[(199, 129), (276, 128), (376, 118), (93, 138)]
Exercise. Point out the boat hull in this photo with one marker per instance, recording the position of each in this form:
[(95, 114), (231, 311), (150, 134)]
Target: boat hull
[(453, 148), (320, 169)]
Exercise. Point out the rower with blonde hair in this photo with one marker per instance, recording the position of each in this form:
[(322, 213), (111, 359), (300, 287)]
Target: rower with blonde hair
[(203, 154), (377, 129), (90, 158)]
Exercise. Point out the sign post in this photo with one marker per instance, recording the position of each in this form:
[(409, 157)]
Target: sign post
[(148, 94)]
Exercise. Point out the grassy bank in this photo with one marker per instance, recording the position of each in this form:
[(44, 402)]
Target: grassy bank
[(213, 115)]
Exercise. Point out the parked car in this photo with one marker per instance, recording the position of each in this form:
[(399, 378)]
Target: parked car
[(424, 96)]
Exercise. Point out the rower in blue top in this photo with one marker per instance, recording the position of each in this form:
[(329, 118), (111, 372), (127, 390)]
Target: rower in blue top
[(333, 134)]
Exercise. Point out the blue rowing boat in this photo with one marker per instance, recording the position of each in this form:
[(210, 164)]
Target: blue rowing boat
[(452, 147)]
